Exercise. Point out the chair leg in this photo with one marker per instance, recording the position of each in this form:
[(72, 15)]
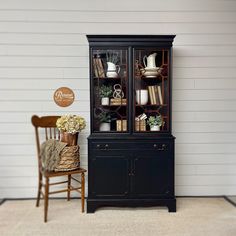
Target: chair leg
[(39, 190), (68, 187), (82, 191), (46, 199)]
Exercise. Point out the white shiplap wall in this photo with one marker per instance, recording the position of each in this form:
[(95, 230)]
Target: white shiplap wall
[(43, 46)]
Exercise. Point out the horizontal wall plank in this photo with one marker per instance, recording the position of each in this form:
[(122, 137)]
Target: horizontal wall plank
[(217, 62), (23, 138), (38, 61), (209, 190), (108, 28), (205, 180), (206, 158), (25, 128), (198, 95), (204, 116), (38, 95), (204, 105), (30, 160), (215, 138), (218, 83), (82, 50), (28, 149), (49, 84), (25, 117), (63, 39), (48, 73), (205, 148), (199, 73), (28, 139), (115, 17), (185, 170), (204, 127), (101, 5), (44, 62), (43, 106), (42, 50)]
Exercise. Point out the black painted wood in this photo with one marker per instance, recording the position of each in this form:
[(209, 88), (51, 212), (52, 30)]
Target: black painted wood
[(130, 169)]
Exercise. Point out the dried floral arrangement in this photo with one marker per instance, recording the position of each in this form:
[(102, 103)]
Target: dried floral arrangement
[(71, 123)]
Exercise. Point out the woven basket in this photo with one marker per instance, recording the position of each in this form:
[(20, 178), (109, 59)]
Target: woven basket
[(70, 159)]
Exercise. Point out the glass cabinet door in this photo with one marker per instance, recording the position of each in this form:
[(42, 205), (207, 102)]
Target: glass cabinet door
[(151, 90), (110, 89)]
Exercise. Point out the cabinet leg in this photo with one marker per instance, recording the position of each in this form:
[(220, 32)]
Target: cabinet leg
[(172, 207)]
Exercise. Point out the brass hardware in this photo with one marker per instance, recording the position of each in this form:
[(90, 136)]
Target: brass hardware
[(162, 148), (98, 145)]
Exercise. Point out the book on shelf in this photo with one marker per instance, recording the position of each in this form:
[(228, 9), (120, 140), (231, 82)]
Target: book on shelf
[(155, 95), (98, 67), (160, 94), (150, 94), (95, 69)]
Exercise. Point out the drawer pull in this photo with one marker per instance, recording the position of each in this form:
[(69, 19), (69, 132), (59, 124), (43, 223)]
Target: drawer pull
[(154, 145), (106, 146), (98, 145), (162, 148)]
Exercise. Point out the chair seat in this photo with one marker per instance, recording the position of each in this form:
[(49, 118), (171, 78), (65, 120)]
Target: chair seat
[(61, 173)]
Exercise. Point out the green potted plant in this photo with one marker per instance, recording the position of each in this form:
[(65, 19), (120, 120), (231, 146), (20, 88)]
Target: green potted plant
[(105, 92), (155, 122), (105, 121)]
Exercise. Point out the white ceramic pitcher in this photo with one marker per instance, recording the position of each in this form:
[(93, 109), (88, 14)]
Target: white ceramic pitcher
[(112, 70), (151, 60)]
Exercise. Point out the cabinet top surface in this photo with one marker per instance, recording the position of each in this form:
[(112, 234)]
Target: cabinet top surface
[(131, 38)]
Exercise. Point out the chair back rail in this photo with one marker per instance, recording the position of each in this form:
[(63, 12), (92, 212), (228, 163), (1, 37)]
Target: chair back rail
[(48, 125)]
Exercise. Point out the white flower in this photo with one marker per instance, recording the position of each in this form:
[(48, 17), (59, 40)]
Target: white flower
[(71, 123)]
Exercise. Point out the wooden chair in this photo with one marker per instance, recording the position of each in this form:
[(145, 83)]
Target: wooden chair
[(48, 125)]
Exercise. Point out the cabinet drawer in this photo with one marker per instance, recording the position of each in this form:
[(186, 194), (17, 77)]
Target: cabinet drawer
[(158, 146)]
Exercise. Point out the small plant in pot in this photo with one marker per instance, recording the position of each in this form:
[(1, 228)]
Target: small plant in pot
[(155, 122), (105, 92), (105, 121)]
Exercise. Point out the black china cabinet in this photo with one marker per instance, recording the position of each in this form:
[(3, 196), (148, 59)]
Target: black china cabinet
[(131, 147)]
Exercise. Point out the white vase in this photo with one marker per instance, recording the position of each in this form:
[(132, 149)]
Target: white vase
[(105, 101), (142, 96), (105, 126), (155, 128), (112, 70)]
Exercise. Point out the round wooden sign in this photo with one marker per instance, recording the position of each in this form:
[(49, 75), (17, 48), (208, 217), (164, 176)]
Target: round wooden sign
[(64, 97)]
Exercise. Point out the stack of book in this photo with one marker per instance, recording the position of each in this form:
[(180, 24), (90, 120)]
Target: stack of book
[(121, 125), (155, 95), (140, 122), (98, 67), (118, 101)]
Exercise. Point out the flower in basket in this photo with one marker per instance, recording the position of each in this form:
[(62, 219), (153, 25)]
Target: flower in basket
[(71, 123), (70, 126)]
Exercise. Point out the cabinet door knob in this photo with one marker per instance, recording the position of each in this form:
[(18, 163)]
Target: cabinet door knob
[(98, 145), (154, 145), (106, 146)]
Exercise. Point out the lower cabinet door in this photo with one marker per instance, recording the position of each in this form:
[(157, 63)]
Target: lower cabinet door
[(109, 174), (151, 174)]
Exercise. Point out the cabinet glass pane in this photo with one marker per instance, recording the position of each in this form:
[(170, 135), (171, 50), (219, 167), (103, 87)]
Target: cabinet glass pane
[(110, 90), (151, 90)]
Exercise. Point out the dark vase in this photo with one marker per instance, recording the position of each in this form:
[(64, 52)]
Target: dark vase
[(70, 139)]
